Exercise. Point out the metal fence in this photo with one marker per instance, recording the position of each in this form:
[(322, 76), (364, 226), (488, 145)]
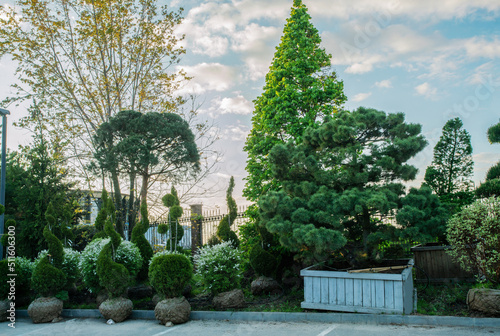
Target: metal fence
[(210, 222)]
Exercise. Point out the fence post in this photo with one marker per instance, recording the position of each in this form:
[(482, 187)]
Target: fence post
[(196, 227)]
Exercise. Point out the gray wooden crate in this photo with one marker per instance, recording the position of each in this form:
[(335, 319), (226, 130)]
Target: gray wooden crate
[(358, 292)]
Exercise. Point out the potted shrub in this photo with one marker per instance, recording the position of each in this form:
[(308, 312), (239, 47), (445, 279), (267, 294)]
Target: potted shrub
[(219, 268), (114, 277), (169, 273), (47, 280), (474, 234)]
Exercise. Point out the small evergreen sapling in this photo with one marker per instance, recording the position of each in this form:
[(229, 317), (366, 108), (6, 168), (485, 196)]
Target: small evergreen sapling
[(224, 232), (114, 277), (107, 209), (142, 243)]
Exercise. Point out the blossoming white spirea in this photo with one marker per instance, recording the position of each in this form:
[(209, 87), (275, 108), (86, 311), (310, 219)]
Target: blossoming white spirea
[(164, 252), (219, 267), (127, 254)]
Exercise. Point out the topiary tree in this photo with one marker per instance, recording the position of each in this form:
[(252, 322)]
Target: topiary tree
[(174, 230), (340, 181), (224, 232), (48, 278), (422, 216), (474, 236), (107, 210), (169, 273), (491, 187), (114, 277), (142, 243), (69, 265)]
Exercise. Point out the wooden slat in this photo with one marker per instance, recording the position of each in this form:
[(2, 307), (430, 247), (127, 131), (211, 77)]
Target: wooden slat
[(389, 294), (308, 289), (358, 292), (332, 288), (356, 309), (324, 291), (349, 292), (379, 293), (367, 293), (316, 290), (341, 291), (398, 295), (330, 274)]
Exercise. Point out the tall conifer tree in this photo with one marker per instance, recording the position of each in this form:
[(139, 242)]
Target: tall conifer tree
[(452, 164), (300, 91)]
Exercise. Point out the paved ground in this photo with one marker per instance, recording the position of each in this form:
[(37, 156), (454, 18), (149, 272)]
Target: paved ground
[(75, 327)]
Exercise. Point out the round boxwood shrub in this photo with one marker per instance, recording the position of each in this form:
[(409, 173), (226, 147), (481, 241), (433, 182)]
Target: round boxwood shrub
[(262, 262), (127, 254), (219, 267), (169, 273), (69, 265)]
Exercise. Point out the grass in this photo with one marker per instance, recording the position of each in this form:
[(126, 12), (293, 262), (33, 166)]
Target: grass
[(443, 299)]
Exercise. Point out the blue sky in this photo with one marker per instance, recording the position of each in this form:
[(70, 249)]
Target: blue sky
[(431, 60)]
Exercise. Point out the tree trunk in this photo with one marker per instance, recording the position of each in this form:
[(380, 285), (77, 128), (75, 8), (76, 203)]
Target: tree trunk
[(144, 187), (118, 204), (132, 210)]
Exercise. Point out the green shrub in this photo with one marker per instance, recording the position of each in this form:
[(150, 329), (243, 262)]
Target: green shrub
[(174, 230), (24, 272), (489, 188), (47, 280), (213, 240), (69, 265), (127, 254), (218, 267), (142, 243), (224, 232), (474, 235), (493, 172), (169, 273), (262, 262)]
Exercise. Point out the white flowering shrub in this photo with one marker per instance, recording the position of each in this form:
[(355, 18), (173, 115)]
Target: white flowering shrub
[(219, 267), (474, 236), (127, 254), (70, 263)]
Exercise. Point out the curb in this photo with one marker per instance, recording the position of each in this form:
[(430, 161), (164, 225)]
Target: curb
[(419, 320)]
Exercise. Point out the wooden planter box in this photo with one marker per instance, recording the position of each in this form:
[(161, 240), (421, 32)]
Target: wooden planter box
[(437, 264), (358, 292)]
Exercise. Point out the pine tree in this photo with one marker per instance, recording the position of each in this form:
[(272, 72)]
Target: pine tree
[(299, 92), (452, 166)]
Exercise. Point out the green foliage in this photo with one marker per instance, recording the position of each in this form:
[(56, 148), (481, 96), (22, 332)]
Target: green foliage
[(474, 235), (334, 183), (489, 188), (218, 267), (106, 207), (142, 243), (83, 234), (127, 254), (422, 216), (169, 273), (213, 240), (69, 264), (113, 276), (47, 280), (35, 178), (452, 165), (263, 262), (494, 133), (172, 228), (23, 268), (55, 246), (224, 232), (493, 172), (300, 90)]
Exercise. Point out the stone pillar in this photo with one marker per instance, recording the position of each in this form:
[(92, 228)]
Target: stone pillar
[(196, 227)]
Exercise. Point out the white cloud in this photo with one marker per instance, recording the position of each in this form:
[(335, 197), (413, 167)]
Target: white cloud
[(235, 133), (254, 37), (479, 47), (361, 96), (386, 84), (480, 74), (208, 77), (386, 11), (426, 90), (236, 105)]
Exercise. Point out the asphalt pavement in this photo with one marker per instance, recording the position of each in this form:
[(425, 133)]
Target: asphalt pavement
[(98, 326)]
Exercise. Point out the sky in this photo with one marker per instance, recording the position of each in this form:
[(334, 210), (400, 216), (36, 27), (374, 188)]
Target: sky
[(432, 60)]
